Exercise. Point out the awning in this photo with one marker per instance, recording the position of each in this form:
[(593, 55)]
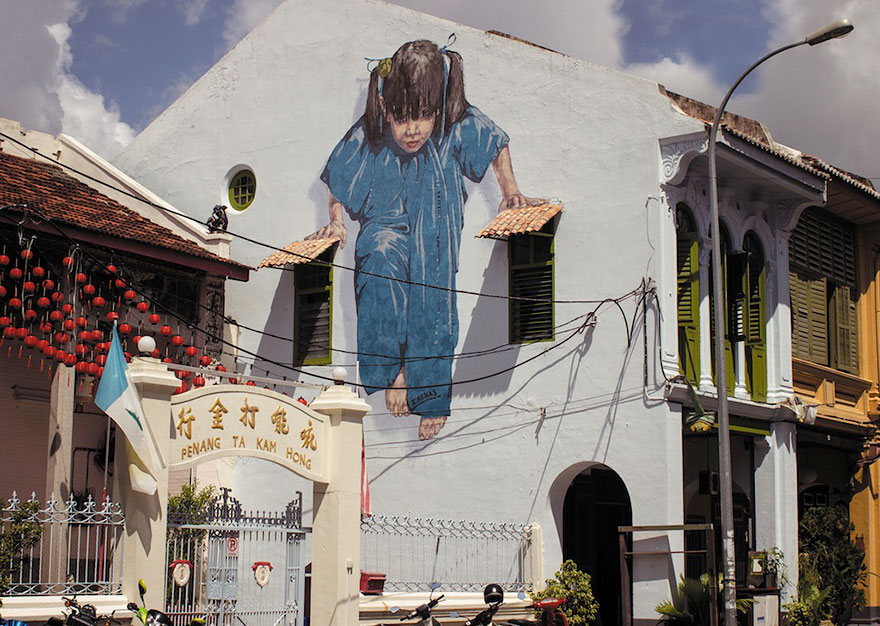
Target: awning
[(298, 252), (517, 221)]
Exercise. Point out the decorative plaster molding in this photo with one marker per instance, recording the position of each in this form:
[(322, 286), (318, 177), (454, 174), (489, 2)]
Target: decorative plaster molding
[(787, 212), (675, 154), (705, 246)]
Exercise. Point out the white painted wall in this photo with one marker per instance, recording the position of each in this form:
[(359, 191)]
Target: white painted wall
[(280, 101)]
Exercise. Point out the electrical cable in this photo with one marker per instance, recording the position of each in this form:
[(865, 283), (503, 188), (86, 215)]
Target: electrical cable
[(277, 249)]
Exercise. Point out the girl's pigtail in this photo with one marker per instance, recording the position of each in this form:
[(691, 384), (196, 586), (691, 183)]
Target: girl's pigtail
[(456, 103), (373, 110)]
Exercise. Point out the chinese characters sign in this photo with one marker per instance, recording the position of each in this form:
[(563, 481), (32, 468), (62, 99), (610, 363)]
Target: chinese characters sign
[(224, 420)]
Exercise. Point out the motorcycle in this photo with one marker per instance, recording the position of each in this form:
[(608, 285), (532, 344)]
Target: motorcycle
[(82, 615), (493, 595), (550, 613), (153, 617)]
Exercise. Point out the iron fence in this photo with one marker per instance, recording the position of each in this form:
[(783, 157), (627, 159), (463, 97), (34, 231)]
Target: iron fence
[(458, 555), (79, 550)]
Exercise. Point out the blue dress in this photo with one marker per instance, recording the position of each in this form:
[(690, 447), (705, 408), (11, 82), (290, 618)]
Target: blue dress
[(410, 208)]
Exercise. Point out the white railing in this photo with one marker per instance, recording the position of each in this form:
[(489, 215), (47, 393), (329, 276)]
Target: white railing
[(459, 555), (79, 550)]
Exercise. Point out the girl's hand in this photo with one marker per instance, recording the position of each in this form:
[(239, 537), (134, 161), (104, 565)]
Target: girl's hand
[(336, 228), (518, 201)]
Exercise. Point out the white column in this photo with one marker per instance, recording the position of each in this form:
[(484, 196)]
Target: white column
[(336, 527), (60, 434), (146, 516), (776, 497)]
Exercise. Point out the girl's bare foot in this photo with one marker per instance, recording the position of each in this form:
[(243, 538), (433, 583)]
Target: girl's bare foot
[(430, 426), (395, 396)]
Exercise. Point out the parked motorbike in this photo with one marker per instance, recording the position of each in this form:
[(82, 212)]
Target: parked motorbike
[(153, 617), (82, 615), (493, 595), (550, 613)]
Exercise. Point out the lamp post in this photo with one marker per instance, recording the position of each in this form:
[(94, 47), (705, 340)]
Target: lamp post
[(835, 29)]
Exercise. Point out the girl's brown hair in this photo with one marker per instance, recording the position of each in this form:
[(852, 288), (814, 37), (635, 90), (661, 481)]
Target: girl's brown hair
[(414, 88)]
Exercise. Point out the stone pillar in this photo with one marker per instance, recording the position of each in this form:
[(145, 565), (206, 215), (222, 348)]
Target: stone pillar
[(145, 516), (776, 497), (336, 527), (60, 434)]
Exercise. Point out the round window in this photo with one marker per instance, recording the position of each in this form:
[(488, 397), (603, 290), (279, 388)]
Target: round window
[(242, 189)]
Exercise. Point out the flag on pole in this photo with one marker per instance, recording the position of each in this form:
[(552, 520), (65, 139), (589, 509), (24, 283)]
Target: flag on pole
[(118, 397)]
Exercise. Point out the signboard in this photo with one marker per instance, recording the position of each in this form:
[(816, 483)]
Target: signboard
[(236, 420)]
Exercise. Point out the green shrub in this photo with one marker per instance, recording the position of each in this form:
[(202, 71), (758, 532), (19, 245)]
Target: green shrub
[(831, 560), (807, 610), (20, 533), (692, 604), (574, 585)]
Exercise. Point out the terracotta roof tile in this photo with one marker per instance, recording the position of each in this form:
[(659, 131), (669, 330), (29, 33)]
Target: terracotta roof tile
[(65, 200), (862, 184), (298, 252), (515, 221)]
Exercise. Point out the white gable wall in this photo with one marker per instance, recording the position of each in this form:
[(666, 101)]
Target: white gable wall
[(280, 101)]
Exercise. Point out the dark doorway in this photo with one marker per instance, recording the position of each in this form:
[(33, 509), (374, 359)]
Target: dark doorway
[(596, 503)]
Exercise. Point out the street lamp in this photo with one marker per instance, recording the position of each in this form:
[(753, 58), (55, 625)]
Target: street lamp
[(835, 29)]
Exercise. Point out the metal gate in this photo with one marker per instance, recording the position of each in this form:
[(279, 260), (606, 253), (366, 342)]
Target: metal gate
[(236, 568)]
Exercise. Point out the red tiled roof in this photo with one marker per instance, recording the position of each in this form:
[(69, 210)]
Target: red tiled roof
[(298, 252), (516, 221), (59, 197)]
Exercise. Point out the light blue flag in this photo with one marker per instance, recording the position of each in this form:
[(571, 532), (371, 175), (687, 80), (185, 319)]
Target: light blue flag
[(118, 397)]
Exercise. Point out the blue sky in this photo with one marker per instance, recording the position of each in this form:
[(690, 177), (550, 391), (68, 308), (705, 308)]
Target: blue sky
[(101, 70)]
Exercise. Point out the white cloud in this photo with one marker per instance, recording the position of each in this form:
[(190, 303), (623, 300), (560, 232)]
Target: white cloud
[(243, 16), (38, 89), (192, 10), (683, 75)]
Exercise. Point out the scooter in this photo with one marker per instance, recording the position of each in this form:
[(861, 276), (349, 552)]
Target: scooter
[(82, 615), (493, 595), (551, 614), (154, 617)]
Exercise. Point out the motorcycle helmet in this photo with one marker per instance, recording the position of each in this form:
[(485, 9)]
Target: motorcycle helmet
[(493, 594)]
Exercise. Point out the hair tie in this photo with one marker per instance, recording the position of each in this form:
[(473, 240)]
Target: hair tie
[(382, 69)]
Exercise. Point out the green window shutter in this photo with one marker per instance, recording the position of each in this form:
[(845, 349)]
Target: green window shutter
[(688, 305), (809, 318), (844, 342), (313, 312), (754, 326), (531, 277)]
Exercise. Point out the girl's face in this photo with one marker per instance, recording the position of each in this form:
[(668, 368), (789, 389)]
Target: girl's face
[(411, 134)]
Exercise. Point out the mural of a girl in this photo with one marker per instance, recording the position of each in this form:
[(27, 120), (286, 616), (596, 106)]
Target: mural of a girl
[(399, 172)]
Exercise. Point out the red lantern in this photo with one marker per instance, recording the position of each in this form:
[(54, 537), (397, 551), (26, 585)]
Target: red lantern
[(27, 254), (15, 303), (127, 357), (112, 316), (67, 261), (220, 367), (136, 339), (111, 269), (81, 321), (29, 286), (68, 324), (81, 349), (67, 309), (101, 359), (155, 353), (48, 284), (61, 337), (80, 277), (101, 347), (22, 332), (251, 383), (70, 360), (15, 273), (97, 335), (182, 387), (191, 351), (154, 318), (41, 345), (119, 283), (100, 372), (59, 355), (143, 306), (129, 294), (205, 360), (198, 381), (177, 340), (124, 329), (2, 291), (57, 296), (30, 341), (183, 374), (30, 315), (89, 290), (82, 367), (4, 260), (5, 321), (46, 327), (85, 335), (9, 331), (43, 302), (38, 271), (165, 330), (97, 301), (167, 359), (92, 368), (49, 351)]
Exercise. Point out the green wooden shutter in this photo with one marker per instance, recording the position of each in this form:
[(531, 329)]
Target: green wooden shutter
[(809, 318), (688, 267), (531, 276), (844, 343), (313, 312), (728, 349), (755, 327)]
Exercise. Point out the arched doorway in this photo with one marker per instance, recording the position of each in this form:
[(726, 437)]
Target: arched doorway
[(596, 503)]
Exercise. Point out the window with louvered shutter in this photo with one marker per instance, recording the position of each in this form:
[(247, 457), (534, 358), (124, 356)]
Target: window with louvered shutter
[(313, 286), (754, 322), (823, 291), (688, 294), (531, 279), (728, 348)]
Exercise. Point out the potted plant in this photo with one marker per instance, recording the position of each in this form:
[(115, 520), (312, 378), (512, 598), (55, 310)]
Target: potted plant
[(774, 568)]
